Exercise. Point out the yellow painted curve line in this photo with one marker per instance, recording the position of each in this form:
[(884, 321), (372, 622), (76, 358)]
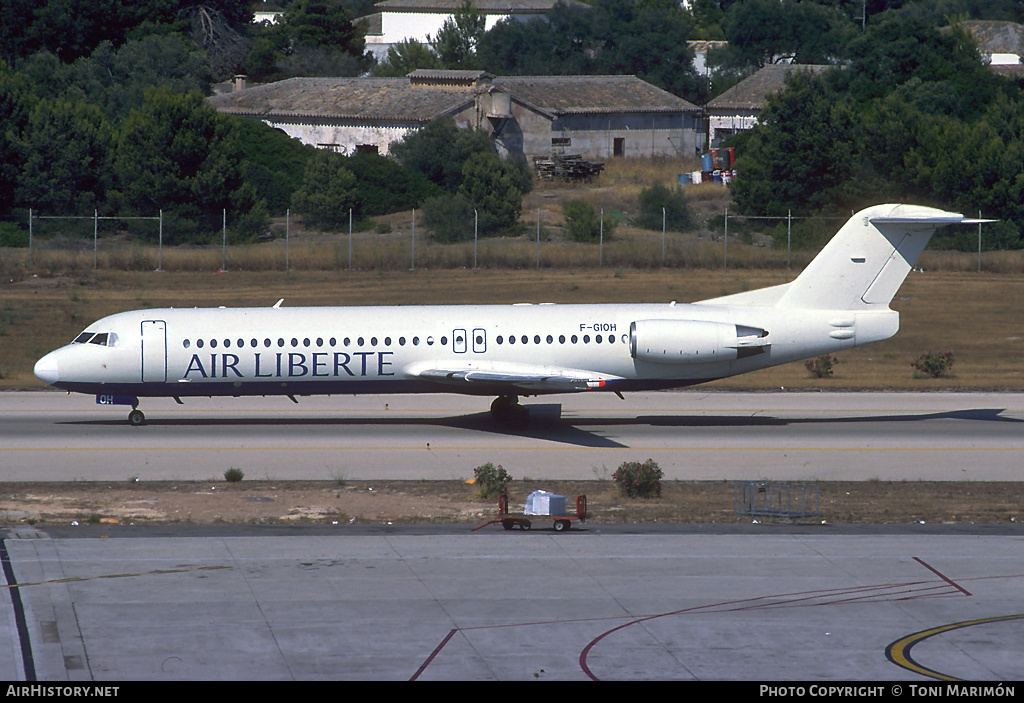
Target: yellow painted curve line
[(899, 651)]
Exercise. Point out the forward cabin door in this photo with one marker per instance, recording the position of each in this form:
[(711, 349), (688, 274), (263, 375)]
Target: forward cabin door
[(154, 351)]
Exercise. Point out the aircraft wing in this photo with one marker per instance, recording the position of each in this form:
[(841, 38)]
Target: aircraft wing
[(514, 376)]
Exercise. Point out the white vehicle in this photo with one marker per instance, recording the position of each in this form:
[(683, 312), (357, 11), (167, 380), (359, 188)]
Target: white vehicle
[(839, 301)]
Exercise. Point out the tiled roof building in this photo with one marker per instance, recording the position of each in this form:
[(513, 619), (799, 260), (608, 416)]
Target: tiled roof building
[(596, 116), (738, 108)]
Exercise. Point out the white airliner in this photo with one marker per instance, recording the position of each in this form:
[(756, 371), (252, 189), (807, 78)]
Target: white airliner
[(839, 301)]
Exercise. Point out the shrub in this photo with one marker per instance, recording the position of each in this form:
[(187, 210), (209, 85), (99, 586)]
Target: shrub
[(637, 480), (233, 475), (583, 223), (821, 367), (491, 480), (450, 218), (328, 191), (11, 235), (932, 364), (493, 186), (659, 198)]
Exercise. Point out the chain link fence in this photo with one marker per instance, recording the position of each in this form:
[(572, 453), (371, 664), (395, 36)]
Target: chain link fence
[(399, 242)]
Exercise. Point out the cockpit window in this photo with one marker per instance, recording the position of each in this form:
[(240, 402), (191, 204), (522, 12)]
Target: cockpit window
[(103, 339)]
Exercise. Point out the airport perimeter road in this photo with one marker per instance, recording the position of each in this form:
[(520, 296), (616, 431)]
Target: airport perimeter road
[(759, 604), (694, 434)]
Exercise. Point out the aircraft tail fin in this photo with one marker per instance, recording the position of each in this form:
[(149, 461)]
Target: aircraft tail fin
[(866, 262)]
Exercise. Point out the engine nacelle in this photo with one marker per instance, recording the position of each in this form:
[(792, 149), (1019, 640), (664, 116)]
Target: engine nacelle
[(694, 341)]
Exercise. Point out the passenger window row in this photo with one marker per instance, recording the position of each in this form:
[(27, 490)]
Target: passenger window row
[(550, 339), (295, 342)]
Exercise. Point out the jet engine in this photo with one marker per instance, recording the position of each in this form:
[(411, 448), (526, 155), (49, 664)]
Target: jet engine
[(694, 341)]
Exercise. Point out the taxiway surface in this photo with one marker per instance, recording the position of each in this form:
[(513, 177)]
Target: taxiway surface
[(51, 436), (768, 604)]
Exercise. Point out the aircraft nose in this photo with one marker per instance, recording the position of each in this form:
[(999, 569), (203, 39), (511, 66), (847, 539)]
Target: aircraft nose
[(46, 369)]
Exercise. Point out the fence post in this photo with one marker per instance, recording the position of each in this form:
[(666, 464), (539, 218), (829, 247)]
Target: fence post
[(979, 242), (476, 225), (414, 237), (663, 237), (95, 237), (224, 240), (288, 240), (600, 256), (726, 238), (789, 237), (160, 244), (350, 239), (30, 236), (538, 237)]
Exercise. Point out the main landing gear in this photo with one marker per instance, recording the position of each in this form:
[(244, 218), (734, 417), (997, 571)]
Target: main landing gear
[(506, 410), (136, 418)]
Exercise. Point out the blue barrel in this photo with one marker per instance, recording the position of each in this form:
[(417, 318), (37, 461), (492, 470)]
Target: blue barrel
[(684, 179), (707, 162)]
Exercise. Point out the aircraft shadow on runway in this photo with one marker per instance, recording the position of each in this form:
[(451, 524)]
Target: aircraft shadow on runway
[(548, 425)]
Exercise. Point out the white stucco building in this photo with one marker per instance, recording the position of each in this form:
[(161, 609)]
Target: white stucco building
[(398, 20)]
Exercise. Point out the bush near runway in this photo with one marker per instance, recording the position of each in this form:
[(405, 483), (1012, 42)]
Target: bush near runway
[(366, 502), (975, 316)]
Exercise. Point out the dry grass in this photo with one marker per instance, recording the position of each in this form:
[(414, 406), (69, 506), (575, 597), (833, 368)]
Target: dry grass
[(288, 502)]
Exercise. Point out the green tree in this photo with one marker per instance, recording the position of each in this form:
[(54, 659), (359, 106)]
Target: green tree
[(117, 79), (272, 162), (64, 154), (313, 38), (383, 186), (177, 154), (456, 41), (762, 32), (328, 193), (404, 57), (489, 183), (16, 102), (646, 39), (805, 156), (440, 149)]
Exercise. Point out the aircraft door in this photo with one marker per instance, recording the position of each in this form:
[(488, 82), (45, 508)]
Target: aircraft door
[(154, 351), (479, 341), (459, 341)]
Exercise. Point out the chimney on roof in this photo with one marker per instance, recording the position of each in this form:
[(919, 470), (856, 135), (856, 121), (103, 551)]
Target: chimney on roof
[(238, 83)]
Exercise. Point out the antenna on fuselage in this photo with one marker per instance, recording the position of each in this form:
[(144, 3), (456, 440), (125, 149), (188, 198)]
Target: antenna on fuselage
[(278, 303)]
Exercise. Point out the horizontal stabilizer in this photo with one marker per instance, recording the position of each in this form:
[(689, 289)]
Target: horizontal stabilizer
[(866, 262)]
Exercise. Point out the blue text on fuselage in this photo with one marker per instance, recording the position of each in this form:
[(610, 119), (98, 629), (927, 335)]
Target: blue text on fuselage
[(292, 365)]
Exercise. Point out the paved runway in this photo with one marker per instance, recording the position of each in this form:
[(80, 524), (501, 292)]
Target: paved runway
[(693, 435), (755, 603)]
